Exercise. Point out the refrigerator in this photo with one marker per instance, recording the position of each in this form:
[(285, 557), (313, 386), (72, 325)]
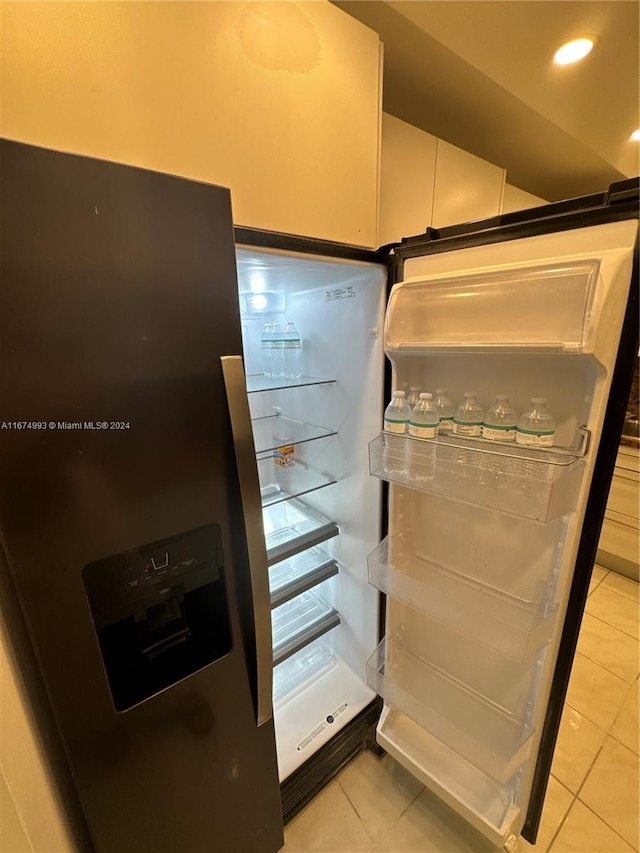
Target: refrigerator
[(421, 597), (470, 559)]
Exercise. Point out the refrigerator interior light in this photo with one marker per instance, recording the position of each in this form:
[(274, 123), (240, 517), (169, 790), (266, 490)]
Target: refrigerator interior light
[(265, 302)]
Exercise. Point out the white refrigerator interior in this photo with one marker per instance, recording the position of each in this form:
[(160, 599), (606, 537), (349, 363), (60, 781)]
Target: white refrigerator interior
[(321, 509), (483, 537)]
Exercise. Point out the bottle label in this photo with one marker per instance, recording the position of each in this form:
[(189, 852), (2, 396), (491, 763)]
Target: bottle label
[(446, 425), (499, 433), (395, 426), (473, 428), (423, 430), (291, 344), (529, 438)]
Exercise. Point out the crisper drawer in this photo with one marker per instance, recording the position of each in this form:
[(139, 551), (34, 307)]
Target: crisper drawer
[(536, 484), (495, 742), (506, 625)]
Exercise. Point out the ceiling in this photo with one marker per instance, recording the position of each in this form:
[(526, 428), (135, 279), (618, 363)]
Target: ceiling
[(479, 74)]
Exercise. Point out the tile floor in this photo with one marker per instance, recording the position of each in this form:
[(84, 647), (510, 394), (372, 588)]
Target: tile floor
[(592, 797)]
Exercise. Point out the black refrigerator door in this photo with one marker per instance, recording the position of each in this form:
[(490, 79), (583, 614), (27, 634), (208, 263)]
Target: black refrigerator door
[(121, 501), (618, 204)]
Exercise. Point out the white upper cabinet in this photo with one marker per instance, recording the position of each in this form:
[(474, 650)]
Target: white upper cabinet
[(516, 199), (278, 101), (407, 174), (466, 187)]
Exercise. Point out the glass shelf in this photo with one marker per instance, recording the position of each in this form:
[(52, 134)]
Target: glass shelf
[(494, 742), (256, 382), (529, 483), (482, 615), (293, 527), (281, 484), (297, 574), (275, 431), (298, 623)]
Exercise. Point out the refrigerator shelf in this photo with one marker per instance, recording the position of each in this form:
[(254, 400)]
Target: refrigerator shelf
[(492, 741), (281, 484), (297, 574), (275, 431), (298, 623), (480, 614), (257, 382), (537, 484), (292, 526)]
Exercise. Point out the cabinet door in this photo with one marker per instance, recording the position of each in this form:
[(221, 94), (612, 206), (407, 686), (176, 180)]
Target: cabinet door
[(466, 187), (407, 170), (278, 101)]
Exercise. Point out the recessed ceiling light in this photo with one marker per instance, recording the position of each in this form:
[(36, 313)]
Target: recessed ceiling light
[(572, 51), (635, 136)]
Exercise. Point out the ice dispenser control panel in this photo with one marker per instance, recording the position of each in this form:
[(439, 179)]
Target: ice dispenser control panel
[(160, 612)]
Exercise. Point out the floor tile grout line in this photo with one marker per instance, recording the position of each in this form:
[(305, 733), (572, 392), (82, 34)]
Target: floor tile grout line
[(562, 822), (612, 828), (353, 806)]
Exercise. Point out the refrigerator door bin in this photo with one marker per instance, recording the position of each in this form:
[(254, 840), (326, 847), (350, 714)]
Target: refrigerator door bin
[(543, 307), (299, 573), (513, 555), (281, 484), (272, 432), (494, 619), (258, 382), (508, 684), (486, 804), (532, 484), (293, 527), (299, 622), (496, 743)]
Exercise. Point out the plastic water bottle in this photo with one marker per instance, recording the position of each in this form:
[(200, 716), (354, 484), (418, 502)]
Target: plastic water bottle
[(396, 421), (397, 413), (292, 346), (277, 351), (536, 427), (414, 396), (423, 423), (469, 416), (446, 410), (265, 348), (500, 426), (424, 418), (467, 422), (500, 421)]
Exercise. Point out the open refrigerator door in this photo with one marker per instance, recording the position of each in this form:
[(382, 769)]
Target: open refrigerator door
[(484, 536)]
